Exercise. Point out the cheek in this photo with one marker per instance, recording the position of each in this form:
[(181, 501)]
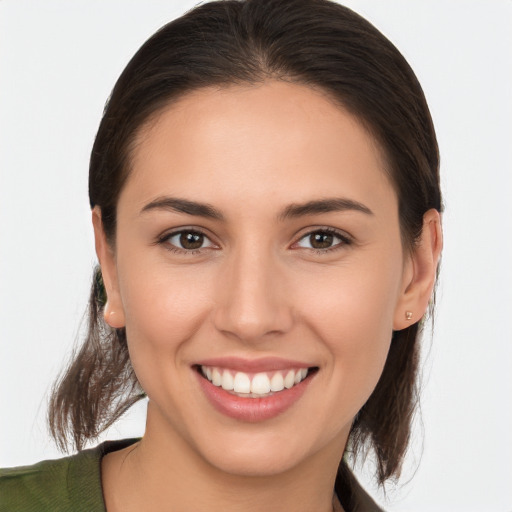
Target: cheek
[(164, 310), (356, 303), (164, 307), (352, 314)]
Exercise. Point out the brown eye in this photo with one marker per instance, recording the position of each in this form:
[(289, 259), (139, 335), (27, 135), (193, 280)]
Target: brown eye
[(323, 240), (191, 240), (188, 240)]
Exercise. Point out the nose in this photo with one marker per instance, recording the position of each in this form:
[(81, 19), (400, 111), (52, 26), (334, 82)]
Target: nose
[(252, 304)]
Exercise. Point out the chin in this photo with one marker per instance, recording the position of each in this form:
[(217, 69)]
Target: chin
[(257, 454), (260, 464)]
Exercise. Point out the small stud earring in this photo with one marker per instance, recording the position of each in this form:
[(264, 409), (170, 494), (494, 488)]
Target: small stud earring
[(408, 315), (108, 314)]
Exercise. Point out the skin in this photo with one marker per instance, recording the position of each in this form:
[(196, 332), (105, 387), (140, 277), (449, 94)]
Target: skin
[(256, 288)]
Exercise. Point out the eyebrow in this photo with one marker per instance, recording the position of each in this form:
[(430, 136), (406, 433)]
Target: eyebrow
[(184, 206), (323, 206), (292, 211)]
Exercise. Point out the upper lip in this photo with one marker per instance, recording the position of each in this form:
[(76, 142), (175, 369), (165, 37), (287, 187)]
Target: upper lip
[(264, 364)]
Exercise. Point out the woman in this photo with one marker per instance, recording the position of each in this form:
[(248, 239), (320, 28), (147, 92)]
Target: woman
[(265, 200)]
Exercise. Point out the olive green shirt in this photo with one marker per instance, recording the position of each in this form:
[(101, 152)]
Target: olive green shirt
[(73, 484)]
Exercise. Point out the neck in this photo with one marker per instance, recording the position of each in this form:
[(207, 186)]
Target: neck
[(165, 471)]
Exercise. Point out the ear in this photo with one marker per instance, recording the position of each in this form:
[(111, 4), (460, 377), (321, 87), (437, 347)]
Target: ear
[(420, 273), (113, 311)]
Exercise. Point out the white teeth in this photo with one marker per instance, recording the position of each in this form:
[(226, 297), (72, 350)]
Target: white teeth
[(277, 382), (260, 384), (289, 380), (216, 377), (242, 383), (227, 380)]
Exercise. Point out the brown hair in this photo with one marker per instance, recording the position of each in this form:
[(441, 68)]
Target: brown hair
[(317, 43)]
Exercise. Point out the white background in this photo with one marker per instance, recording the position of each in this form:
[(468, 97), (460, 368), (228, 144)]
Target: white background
[(58, 63)]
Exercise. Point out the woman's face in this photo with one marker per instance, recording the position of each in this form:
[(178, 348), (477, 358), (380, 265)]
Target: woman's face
[(257, 241)]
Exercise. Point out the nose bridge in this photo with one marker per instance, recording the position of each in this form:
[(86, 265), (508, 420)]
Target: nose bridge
[(252, 302)]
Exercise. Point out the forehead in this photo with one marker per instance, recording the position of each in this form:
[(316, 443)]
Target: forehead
[(266, 140)]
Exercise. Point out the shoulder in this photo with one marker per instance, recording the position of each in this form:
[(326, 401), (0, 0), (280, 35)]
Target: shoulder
[(42, 486), (70, 483)]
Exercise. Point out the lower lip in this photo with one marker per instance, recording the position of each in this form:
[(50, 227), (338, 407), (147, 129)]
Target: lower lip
[(252, 410)]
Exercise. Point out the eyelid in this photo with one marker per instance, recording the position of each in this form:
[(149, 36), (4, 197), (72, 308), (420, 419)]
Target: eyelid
[(167, 235), (345, 238)]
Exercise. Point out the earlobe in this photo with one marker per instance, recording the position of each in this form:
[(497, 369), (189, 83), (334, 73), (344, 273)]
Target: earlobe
[(113, 311), (112, 317), (421, 274)]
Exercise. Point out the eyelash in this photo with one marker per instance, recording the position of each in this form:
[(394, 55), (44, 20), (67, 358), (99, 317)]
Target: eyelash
[(344, 241), (164, 240)]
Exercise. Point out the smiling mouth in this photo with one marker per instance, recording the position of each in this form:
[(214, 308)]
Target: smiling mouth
[(255, 385)]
